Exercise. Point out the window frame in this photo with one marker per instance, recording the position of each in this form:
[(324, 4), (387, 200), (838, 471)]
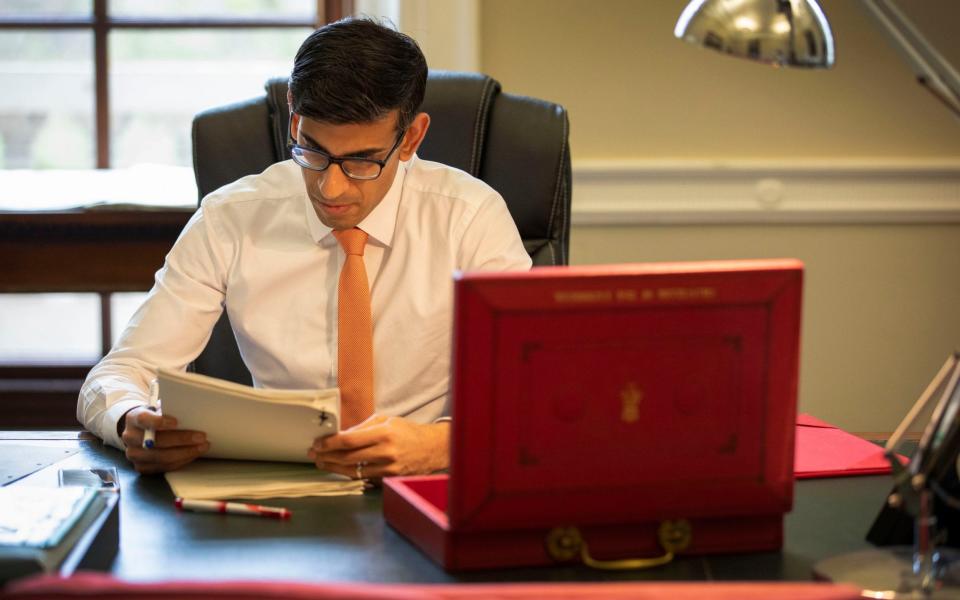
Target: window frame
[(100, 23)]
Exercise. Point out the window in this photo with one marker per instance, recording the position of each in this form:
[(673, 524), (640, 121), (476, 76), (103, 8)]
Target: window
[(113, 85)]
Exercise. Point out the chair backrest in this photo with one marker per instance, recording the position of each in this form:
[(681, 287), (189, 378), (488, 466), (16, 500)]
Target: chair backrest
[(518, 145)]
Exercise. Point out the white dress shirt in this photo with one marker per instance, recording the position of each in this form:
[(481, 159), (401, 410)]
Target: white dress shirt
[(257, 247)]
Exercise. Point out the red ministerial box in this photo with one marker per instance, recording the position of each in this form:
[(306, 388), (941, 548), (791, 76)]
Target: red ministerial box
[(608, 412)]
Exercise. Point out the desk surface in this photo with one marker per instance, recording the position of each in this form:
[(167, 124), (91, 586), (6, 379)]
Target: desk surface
[(346, 538)]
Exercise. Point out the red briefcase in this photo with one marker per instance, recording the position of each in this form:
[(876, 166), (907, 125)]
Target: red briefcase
[(626, 413)]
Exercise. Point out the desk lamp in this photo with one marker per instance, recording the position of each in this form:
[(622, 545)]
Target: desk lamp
[(796, 33)]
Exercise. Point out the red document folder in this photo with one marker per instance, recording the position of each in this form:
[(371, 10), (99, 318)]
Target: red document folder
[(824, 450), (96, 585), (619, 401)]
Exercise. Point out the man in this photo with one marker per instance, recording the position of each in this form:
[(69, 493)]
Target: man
[(354, 212)]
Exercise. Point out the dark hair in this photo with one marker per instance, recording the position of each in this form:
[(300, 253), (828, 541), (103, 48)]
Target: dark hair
[(356, 71)]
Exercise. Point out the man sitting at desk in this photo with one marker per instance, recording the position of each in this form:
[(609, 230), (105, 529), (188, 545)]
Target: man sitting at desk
[(355, 228)]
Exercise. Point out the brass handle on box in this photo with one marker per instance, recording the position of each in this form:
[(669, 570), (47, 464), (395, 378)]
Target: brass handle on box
[(564, 543)]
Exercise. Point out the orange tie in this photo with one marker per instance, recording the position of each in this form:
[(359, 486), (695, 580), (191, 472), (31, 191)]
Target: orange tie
[(355, 332)]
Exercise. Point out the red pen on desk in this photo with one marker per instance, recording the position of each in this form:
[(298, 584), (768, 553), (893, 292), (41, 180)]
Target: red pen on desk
[(232, 508)]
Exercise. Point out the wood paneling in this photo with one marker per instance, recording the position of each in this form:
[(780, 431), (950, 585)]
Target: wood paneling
[(85, 251)]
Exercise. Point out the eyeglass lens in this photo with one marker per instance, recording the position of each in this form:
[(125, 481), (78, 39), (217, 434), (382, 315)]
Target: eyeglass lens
[(352, 167)]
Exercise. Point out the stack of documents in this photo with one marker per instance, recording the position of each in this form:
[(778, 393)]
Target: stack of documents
[(221, 479), (40, 517), (56, 530)]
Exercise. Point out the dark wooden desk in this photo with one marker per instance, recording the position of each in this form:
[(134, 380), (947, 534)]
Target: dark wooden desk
[(346, 539)]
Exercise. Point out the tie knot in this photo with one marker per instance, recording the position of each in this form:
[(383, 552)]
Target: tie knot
[(351, 240)]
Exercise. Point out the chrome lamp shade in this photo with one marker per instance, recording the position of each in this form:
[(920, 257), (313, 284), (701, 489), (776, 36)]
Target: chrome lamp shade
[(791, 33)]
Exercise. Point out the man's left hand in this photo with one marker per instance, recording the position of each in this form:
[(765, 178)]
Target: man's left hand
[(384, 446)]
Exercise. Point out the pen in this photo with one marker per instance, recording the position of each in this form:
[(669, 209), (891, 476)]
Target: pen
[(232, 508), (149, 434)]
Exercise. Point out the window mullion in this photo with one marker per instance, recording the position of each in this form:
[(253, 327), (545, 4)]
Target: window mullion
[(101, 29), (106, 323), (334, 10)]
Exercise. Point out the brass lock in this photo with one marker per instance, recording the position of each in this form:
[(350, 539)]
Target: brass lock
[(565, 543)]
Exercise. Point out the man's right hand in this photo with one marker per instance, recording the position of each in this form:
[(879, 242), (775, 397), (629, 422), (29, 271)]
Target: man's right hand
[(173, 448)]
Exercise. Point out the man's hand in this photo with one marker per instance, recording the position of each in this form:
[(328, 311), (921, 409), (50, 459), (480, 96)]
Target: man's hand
[(173, 448), (385, 446)]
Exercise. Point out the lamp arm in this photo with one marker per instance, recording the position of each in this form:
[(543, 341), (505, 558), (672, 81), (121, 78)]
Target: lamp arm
[(933, 71)]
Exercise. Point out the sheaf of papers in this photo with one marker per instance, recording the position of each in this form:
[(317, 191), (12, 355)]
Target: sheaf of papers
[(242, 422), (40, 517), (207, 479)]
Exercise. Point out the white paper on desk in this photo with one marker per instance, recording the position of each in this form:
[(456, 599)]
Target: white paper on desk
[(207, 479), (248, 423)]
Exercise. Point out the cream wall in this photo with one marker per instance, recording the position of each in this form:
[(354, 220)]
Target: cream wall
[(881, 297), (633, 90), (880, 303)]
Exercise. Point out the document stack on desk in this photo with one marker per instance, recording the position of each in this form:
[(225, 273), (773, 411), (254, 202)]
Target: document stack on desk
[(38, 517), (263, 433), (222, 479), (55, 530)]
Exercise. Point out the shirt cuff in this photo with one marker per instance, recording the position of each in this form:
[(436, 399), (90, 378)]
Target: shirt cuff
[(114, 414)]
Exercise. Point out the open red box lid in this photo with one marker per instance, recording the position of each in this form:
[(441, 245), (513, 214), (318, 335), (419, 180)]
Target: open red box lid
[(607, 395)]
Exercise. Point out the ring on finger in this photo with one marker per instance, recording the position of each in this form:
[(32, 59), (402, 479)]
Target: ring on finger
[(360, 465)]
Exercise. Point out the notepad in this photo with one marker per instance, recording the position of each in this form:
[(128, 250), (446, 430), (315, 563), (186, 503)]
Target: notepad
[(246, 423), (228, 479)]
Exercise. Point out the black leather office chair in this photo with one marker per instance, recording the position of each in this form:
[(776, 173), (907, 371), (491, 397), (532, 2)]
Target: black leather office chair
[(516, 144)]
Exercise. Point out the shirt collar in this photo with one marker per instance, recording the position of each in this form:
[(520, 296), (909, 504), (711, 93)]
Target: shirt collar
[(379, 224)]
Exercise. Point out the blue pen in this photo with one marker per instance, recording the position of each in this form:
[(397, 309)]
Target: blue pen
[(149, 434)]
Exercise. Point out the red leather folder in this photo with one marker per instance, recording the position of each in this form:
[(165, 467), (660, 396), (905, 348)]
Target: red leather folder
[(97, 585), (825, 450), (606, 405)]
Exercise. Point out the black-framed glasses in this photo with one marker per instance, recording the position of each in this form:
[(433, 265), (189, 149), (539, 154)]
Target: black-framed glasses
[(352, 167)]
